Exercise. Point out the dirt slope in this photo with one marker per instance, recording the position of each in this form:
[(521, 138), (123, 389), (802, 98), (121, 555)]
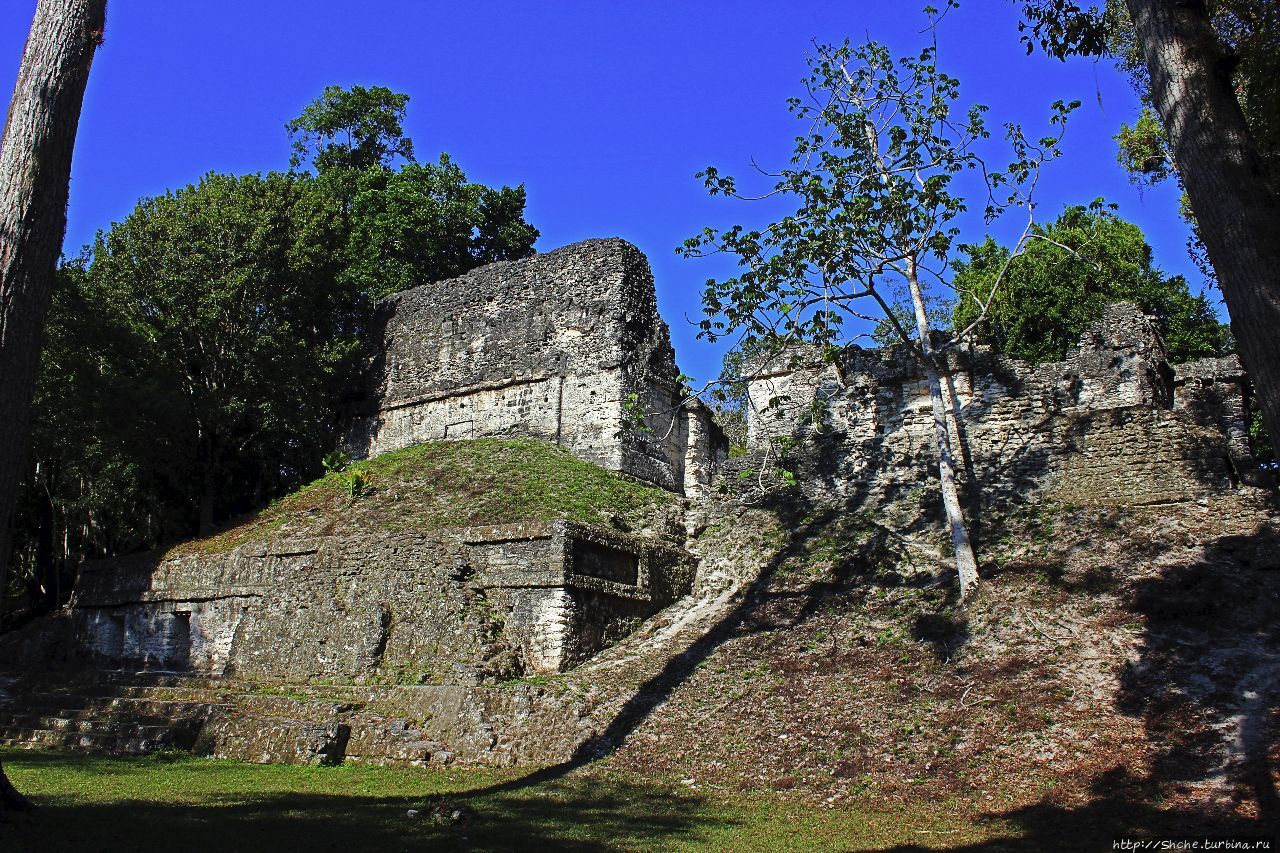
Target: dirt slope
[(1118, 661)]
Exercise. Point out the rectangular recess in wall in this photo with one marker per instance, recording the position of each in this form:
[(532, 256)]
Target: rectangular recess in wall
[(600, 561)]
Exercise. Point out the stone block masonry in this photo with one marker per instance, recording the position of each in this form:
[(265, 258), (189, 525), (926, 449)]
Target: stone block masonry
[(1113, 423), (461, 606), (419, 639), (564, 346)]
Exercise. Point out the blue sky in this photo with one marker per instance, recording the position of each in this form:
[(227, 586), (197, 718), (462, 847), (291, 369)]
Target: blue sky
[(603, 110)]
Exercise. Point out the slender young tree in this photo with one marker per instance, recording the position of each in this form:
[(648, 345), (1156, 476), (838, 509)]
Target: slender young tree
[(35, 172), (873, 179)]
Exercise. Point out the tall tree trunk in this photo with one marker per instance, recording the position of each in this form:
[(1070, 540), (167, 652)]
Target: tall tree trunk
[(966, 563), (35, 171), (1218, 162)]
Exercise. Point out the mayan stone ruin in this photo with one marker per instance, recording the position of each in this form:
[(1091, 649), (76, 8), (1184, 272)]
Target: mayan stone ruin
[(560, 346), (554, 347), (1114, 423), (429, 639)]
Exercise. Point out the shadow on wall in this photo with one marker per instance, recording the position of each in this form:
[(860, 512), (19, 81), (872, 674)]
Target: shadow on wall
[(751, 615), (1205, 665)]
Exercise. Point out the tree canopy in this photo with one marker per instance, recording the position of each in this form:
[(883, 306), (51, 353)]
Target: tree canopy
[(354, 128), (1059, 283)]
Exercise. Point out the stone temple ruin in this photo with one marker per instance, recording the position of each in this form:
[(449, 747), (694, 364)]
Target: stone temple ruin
[(1114, 423), (562, 346), (554, 347), (568, 347)]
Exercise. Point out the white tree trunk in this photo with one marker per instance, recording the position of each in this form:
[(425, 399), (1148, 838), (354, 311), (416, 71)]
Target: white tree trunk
[(966, 562)]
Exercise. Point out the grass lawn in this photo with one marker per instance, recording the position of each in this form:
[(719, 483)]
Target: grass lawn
[(172, 802)]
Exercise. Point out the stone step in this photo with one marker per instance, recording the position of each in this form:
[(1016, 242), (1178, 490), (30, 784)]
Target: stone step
[(301, 708), (102, 738), (175, 694), (106, 723), (121, 684), (133, 744), (90, 706)]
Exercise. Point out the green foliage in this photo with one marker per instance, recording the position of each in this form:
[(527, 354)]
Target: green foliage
[(191, 365), (351, 129), (426, 222), (335, 461), (1249, 39), (633, 416), (354, 483), (1050, 294), (245, 328), (1144, 148), (1259, 439), (872, 180)]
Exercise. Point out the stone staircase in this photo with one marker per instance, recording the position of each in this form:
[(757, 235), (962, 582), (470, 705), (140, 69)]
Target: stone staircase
[(139, 713), (108, 713)]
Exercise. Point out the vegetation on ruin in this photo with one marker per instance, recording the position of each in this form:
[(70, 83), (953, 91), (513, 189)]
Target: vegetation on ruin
[(888, 161), (443, 484), (1215, 64), (845, 702), (1058, 286)]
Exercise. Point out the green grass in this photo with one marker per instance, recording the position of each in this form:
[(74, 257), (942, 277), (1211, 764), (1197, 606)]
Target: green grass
[(193, 804), (444, 484)]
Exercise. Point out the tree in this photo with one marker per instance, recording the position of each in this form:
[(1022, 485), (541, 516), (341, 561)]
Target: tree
[(426, 222), (242, 332), (406, 226), (872, 177), (87, 492), (35, 170), (1191, 70), (1052, 294), (351, 129)]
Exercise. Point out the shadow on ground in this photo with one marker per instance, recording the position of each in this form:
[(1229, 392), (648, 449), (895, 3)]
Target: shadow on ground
[(575, 814), (1205, 683)]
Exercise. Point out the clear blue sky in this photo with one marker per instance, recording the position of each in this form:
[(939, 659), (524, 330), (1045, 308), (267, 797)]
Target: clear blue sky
[(603, 110)]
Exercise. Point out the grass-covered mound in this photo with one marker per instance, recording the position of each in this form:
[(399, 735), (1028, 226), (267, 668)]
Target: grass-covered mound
[(444, 484)]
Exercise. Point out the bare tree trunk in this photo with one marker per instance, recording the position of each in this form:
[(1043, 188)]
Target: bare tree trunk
[(1218, 162), (35, 170), (966, 563)]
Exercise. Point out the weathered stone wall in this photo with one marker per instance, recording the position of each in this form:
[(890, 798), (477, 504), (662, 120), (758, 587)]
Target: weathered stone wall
[(1112, 423), (560, 346), (459, 607)]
